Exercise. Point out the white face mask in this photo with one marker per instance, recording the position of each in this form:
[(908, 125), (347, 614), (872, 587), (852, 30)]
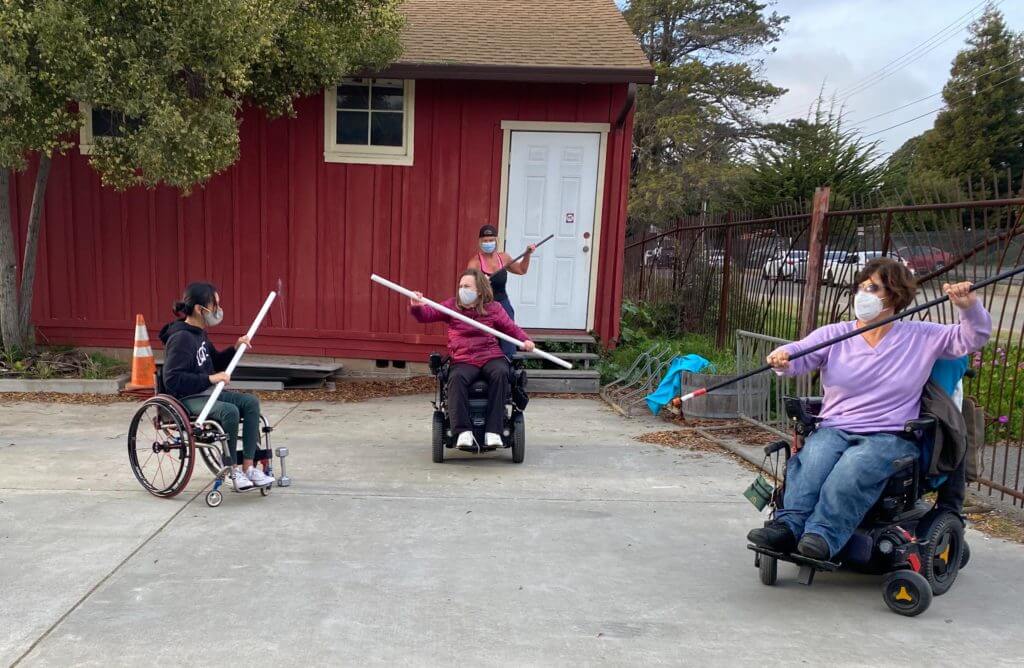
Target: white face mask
[(213, 318), (867, 306), (467, 296)]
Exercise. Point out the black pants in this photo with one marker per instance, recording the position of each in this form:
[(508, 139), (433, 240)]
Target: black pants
[(952, 492), (461, 377)]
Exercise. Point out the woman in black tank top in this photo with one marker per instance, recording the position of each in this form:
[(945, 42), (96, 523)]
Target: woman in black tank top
[(491, 261)]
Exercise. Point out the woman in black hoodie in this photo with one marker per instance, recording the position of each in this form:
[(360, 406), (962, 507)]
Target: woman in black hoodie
[(192, 367)]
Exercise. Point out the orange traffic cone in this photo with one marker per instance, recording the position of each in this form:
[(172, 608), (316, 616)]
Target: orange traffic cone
[(143, 366)]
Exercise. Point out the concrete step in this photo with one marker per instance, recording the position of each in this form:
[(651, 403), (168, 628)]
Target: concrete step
[(577, 381), (540, 337)]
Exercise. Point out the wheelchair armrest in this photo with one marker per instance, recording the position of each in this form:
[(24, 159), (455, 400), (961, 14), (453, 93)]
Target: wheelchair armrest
[(775, 447), (437, 363), (804, 410), (919, 424)]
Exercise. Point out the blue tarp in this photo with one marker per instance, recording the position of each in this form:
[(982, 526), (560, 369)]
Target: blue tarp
[(669, 386)]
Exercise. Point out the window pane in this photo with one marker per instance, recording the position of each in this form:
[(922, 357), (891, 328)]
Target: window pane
[(352, 127), (387, 129), (387, 97), (104, 123), (353, 97)]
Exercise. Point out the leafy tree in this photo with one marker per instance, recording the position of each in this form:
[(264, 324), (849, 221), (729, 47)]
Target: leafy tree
[(801, 155), (693, 122), (981, 130), (175, 74)]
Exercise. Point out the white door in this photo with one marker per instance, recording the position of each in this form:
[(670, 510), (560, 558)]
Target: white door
[(552, 189)]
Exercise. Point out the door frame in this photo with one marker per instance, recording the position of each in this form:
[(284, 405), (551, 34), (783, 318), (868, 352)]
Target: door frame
[(507, 128)]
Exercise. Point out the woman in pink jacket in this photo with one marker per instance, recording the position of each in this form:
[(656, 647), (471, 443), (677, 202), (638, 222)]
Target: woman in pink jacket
[(474, 353)]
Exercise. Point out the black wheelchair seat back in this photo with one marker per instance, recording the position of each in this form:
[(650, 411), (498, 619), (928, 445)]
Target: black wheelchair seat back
[(899, 499)]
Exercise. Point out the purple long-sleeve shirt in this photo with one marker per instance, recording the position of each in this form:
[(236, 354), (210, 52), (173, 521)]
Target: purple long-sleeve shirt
[(878, 389)]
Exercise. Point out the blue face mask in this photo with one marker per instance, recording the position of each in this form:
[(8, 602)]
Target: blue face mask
[(488, 246)]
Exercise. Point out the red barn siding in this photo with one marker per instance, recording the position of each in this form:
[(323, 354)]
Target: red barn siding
[(282, 213)]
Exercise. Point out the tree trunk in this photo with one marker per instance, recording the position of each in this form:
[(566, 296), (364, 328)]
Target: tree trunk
[(28, 265), (10, 332)]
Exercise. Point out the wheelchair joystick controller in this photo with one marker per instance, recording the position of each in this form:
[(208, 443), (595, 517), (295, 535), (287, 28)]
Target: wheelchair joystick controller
[(283, 480)]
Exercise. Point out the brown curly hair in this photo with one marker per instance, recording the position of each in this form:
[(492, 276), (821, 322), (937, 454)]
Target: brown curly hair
[(485, 295), (899, 284)]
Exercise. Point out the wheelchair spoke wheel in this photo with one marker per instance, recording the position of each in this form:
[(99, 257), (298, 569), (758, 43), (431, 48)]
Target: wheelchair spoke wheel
[(210, 454), (160, 447)]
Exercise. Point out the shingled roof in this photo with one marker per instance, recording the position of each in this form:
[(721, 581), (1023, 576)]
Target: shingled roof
[(523, 40)]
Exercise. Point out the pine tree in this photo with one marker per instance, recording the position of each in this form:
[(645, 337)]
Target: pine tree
[(981, 130)]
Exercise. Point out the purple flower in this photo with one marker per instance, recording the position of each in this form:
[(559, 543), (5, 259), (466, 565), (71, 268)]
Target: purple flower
[(1003, 419)]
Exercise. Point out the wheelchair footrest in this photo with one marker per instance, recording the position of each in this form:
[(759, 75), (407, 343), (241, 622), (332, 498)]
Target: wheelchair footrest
[(808, 566)]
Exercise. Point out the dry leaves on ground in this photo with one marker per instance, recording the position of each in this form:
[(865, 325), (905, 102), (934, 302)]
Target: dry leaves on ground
[(680, 438)]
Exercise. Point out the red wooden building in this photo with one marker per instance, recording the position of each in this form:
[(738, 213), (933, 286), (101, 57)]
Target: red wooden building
[(516, 113)]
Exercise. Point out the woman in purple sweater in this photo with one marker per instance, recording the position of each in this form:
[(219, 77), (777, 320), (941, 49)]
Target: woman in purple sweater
[(474, 353), (873, 384)]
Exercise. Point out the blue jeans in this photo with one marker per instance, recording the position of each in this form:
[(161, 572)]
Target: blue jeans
[(835, 479), (506, 347)]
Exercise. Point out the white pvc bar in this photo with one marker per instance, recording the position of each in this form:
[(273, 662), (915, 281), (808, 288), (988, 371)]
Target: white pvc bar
[(237, 358), (469, 321)]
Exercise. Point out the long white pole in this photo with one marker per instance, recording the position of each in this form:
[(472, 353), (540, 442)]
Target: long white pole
[(236, 359), (469, 321)]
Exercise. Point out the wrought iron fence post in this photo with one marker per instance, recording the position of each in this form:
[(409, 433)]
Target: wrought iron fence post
[(887, 235), (818, 237), (723, 306)]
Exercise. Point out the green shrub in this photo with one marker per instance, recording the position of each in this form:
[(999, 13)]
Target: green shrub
[(998, 389)]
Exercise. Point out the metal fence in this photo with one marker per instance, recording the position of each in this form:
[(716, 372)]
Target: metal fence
[(755, 282)]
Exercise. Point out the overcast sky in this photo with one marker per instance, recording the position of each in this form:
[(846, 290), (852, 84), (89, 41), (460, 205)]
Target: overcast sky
[(842, 42)]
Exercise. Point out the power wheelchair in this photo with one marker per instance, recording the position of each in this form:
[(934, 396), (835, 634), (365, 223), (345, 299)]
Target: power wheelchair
[(163, 439), (513, 433), (917, 546)]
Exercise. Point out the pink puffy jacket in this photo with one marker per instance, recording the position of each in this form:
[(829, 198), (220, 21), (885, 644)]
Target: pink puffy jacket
[(467, 344)]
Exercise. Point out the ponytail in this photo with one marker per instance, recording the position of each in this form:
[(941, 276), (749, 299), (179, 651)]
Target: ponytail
[(196, 294)]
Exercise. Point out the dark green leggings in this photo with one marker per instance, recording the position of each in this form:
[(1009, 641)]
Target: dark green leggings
[(227, 410)]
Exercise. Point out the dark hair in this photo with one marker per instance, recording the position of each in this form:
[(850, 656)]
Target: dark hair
[(484, 293), (196, 294), (899, 284)]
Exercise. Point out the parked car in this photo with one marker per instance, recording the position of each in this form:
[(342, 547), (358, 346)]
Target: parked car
[(660, 256), (786, 265), (715, 259), (842, 267), (924, 259)]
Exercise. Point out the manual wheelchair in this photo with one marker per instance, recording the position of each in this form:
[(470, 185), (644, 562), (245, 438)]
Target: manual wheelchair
[(163, 439), (917, 546), (513, 433)]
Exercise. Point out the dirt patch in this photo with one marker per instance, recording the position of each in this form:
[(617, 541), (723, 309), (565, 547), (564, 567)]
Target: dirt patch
[(680, 438), (50, 363), (998, 523), (58, 398), (748, 435)]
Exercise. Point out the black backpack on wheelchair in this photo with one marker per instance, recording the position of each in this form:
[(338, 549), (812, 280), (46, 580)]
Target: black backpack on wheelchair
[(919, 547), (513, 433)]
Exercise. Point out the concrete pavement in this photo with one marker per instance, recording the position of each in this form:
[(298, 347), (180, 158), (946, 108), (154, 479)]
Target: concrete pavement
[(598, 550)]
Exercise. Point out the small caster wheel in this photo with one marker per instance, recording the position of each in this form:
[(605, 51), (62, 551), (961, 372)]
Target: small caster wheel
[(213, 498), (768, 569), (265, 491), (907, 593)]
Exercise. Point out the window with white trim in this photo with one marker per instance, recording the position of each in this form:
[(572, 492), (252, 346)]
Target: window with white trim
[(100, 123), (369, 121)]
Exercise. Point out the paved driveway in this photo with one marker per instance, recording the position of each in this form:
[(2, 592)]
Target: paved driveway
[(598, 550)]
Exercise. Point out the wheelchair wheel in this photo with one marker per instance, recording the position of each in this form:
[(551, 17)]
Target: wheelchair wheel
[(907, 593), (437, 437), (210, 454), (942, 555), (518, 438), (160, 447), (768, 569), (965, 556)]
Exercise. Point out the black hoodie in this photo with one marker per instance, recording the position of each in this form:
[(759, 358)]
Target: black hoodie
[(190, 359)]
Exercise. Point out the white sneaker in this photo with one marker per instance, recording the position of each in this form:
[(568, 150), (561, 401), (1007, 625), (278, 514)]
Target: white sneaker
[(492, 440), (465, 440), (240, 479), (259, 478)]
